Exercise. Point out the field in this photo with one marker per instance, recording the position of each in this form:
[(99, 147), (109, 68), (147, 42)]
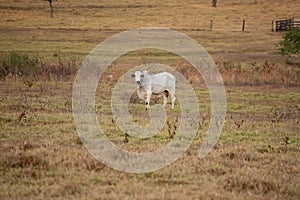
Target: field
[(42, 157)]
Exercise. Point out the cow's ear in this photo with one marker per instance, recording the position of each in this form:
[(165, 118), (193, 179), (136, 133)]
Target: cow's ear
[(132, 75), (142, 75)]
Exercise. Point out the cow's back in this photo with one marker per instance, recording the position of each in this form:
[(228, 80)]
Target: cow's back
[(163, 81)]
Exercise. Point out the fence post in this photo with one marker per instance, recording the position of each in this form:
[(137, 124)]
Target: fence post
[(99, 28), (243, 27), (72, 23), (291, 23), (211, 25), (272, 25)]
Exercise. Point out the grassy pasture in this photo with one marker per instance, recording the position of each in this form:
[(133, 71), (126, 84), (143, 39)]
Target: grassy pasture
[(257, 155), (42, 156)]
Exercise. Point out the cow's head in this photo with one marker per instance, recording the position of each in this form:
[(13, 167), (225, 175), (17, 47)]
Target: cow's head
[(139, 76)]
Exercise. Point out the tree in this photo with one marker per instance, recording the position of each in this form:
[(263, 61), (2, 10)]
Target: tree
[(290, 43), (214, 3), (51, 7)]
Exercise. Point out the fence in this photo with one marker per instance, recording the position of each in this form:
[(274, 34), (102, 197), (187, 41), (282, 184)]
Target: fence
[(278, 25), (285, 25)]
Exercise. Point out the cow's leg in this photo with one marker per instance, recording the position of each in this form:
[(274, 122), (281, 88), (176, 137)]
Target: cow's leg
[(165, 100), (173, 98), (140, 93), (165, 94), (149, 93)]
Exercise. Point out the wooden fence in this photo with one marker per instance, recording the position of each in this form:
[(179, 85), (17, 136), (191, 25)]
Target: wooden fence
[(285, 25)]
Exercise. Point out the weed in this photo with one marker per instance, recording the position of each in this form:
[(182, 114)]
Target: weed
[(22, 116), (239, 123), (286, 142), (125, 140), (172, 127), (77, 140), (288, 61)]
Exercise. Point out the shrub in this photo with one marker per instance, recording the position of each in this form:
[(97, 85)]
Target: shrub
[(290, 43), (33, 67), (18, 65)]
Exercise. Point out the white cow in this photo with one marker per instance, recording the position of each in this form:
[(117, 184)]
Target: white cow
[(162, 83)]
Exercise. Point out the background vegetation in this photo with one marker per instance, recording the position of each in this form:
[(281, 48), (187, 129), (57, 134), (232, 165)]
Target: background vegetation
[(290, 43)]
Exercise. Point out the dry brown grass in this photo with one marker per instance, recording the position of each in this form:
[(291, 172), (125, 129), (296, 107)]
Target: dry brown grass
[(42, 156), (18, 27)]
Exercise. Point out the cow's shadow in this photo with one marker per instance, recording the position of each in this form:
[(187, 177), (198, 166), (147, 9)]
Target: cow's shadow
[(155, 99)]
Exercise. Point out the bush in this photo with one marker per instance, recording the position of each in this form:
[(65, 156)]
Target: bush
[(18, 65), (290, 44), (33, 67)]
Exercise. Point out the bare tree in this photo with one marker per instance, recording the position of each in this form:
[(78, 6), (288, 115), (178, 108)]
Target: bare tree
[(51, 7), (214, 3)]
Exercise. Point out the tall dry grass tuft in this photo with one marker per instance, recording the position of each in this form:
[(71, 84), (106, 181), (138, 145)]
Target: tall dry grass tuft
[(44, 156), (189, 72), (266, 73), (24, 67), (238, 74)]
